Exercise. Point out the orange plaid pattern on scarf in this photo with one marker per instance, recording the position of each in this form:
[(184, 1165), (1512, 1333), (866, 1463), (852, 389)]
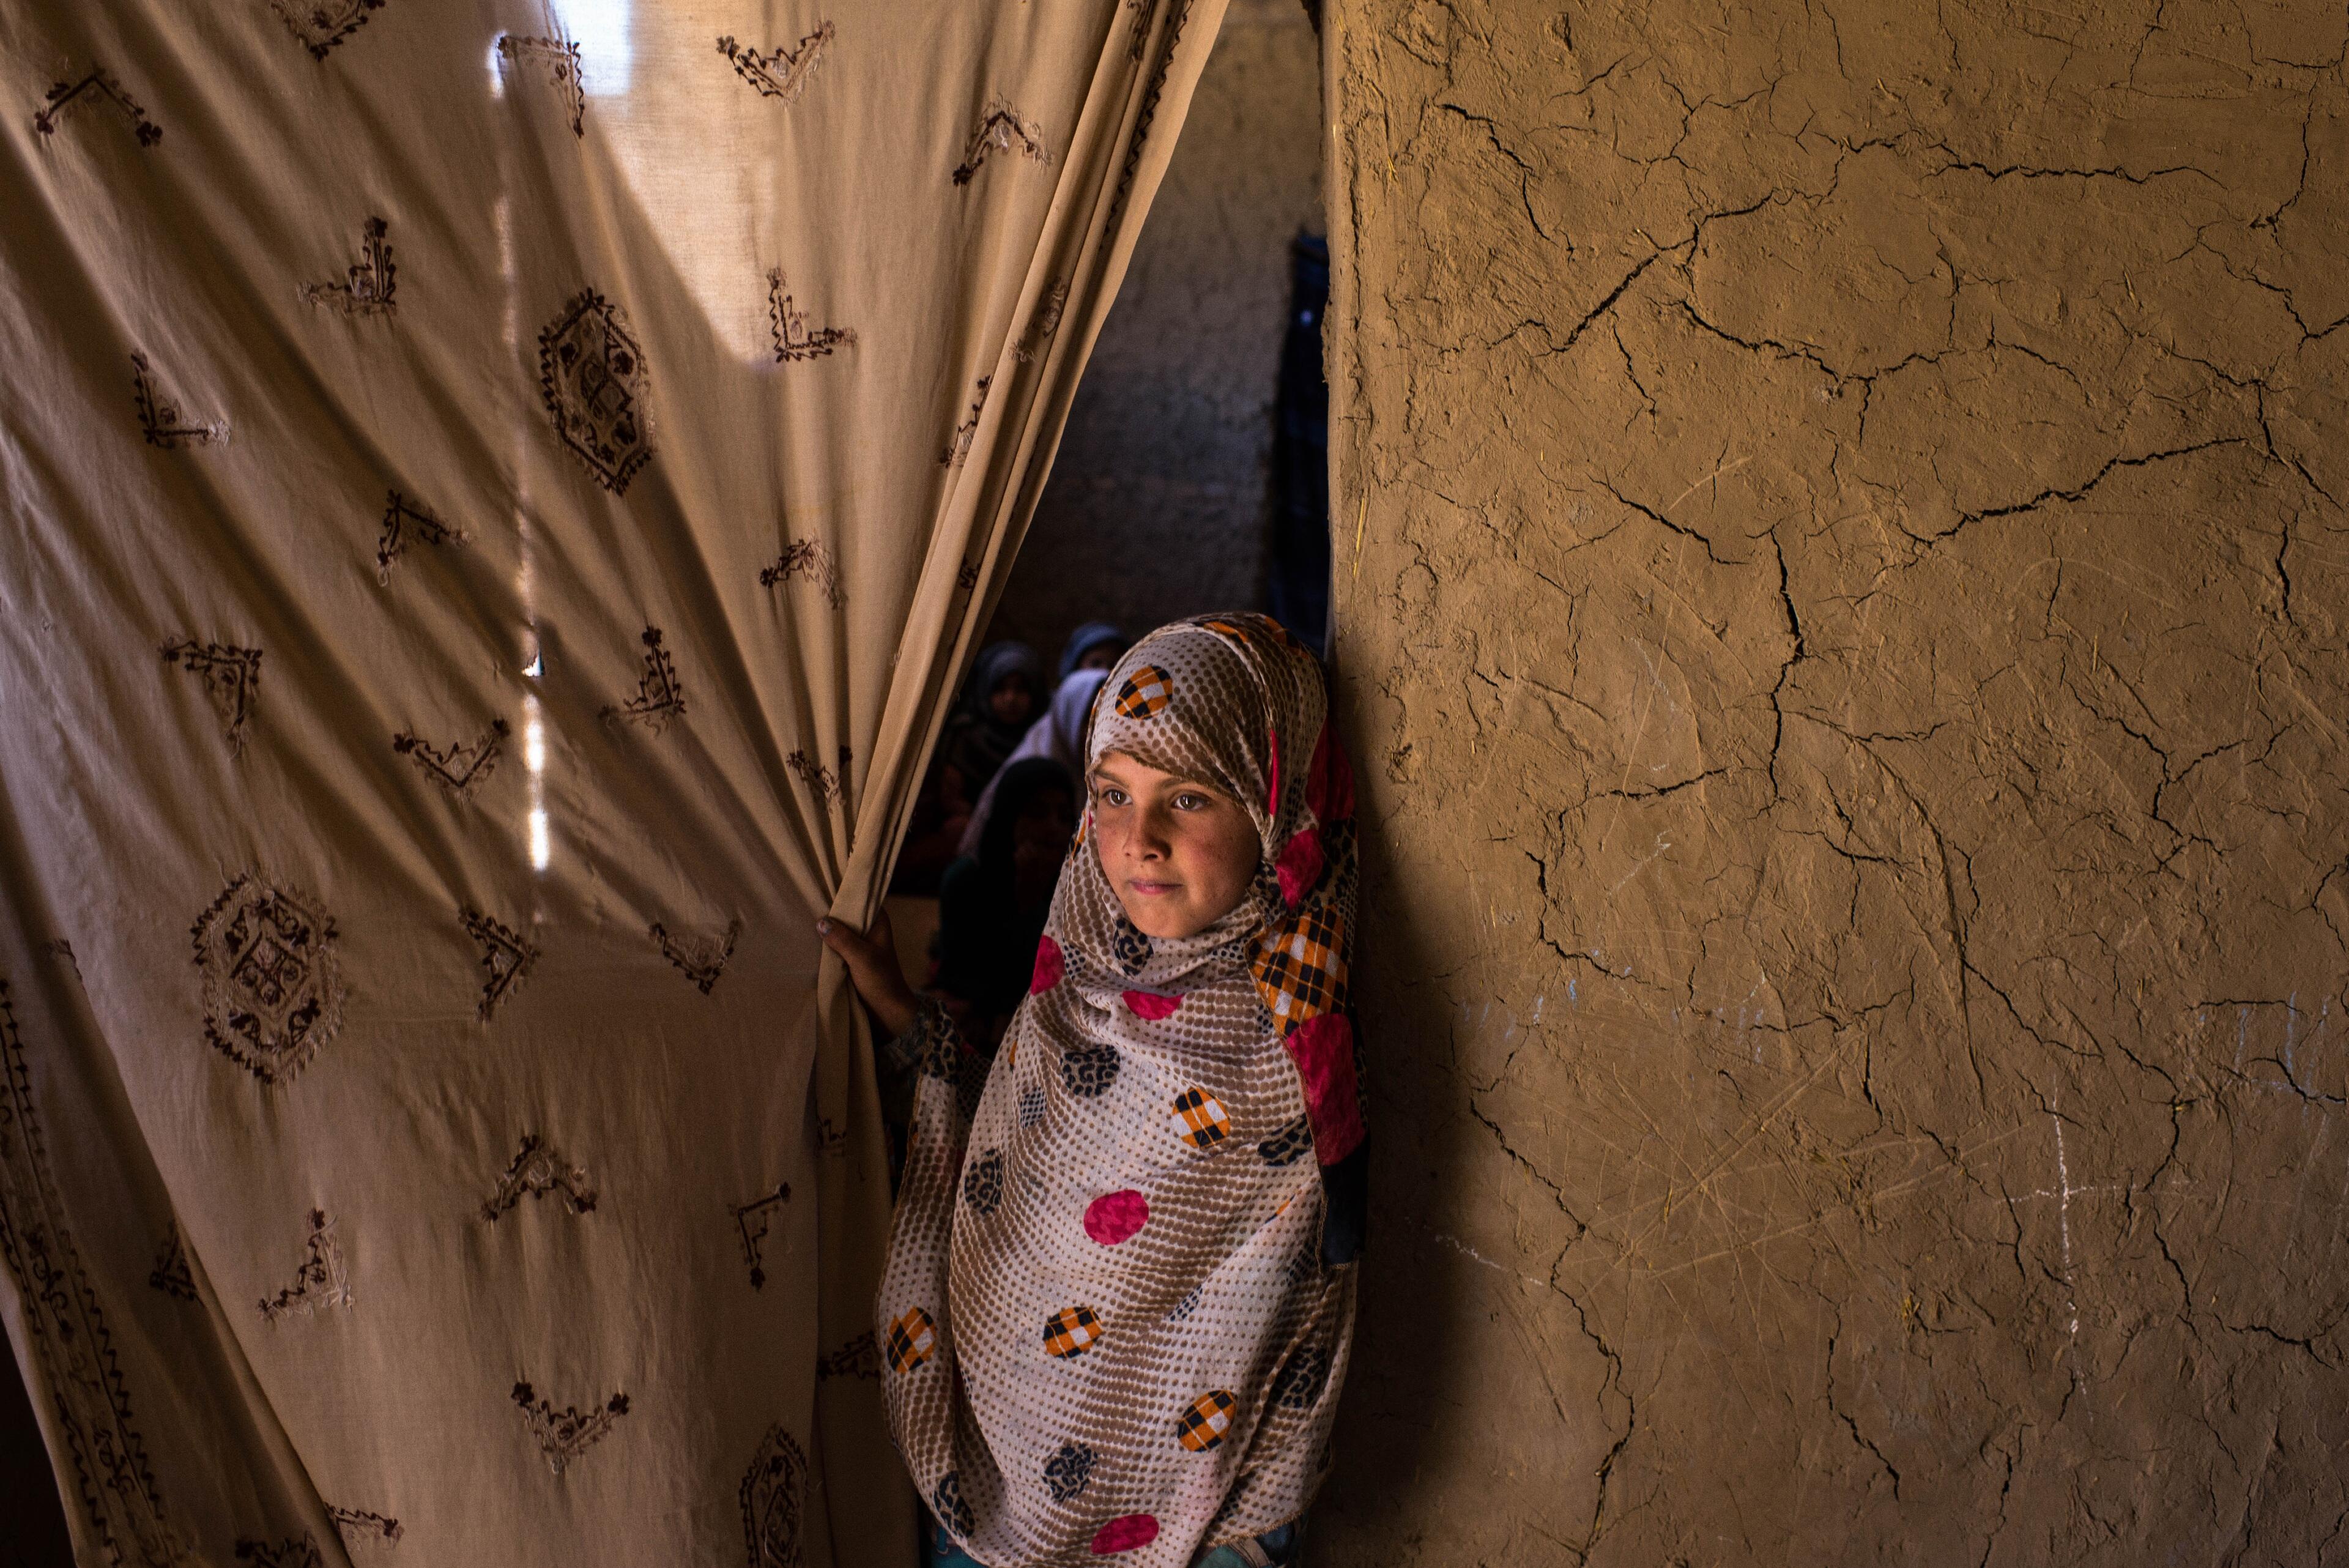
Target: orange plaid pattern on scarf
[(1299, 968), (912, 1339), (1072, 1331), (1145, 693), (1200, 1120), (1202, 1426)]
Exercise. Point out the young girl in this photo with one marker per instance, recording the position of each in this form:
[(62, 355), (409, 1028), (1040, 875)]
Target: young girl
[(1120, 1292)]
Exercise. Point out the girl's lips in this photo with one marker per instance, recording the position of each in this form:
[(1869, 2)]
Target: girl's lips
[(1152, 889)]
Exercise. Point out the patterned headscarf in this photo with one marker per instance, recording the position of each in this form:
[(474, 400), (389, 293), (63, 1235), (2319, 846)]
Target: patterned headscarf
[(1120, 1297)]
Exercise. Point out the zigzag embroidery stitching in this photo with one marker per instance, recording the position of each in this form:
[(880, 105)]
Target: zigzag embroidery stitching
[(459, 767), (323, 1281), (563, 1435), (357, 1527), (368, 282), (66, 1335), (560, 58), (319, 25), (807, 558), (538, 1169), (959, 448), (1046, 322), (702, 959), (825, 783), (860, 1357), (751, 1218), (293, 1551), (160, 422), (779, 73), (101, 86), (171, 1274), (660, 697), (506, 958), (1001, 128), (232, 677), (793, 340), (1140, 140)]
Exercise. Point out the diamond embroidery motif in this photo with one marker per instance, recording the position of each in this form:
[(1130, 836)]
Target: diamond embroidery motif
[(538, 1169), (273, 992), (323, 1279), (563, 1435), (506, 958), (773, 1491), (779, 73), (592, 376)]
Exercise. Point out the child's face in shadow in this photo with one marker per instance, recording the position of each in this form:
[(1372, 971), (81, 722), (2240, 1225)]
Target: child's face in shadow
[(1012, 700), (1180, 854)]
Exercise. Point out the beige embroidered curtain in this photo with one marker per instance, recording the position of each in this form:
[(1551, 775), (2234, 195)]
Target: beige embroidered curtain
[(493, 501)]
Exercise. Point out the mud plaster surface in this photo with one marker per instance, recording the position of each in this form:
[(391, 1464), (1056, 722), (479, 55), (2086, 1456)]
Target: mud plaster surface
[(1156, 507), (1842, 575)]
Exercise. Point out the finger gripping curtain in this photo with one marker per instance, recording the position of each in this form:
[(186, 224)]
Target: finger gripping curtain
[(492, 500)]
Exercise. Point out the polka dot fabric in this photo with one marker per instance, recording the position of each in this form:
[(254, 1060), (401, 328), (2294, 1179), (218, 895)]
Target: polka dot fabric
[(1103, 1346)]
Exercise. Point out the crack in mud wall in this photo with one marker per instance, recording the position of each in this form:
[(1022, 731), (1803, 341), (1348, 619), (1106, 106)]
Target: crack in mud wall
[(1842, 572)]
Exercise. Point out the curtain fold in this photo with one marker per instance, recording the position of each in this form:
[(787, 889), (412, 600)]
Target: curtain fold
[(494, 500)]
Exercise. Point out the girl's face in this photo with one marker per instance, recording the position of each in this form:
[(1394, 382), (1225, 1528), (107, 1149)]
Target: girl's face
[(1012, 700), (1180, 854)]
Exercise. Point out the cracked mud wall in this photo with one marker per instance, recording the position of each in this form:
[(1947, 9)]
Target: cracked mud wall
[(1158, 506), (1842, 574)]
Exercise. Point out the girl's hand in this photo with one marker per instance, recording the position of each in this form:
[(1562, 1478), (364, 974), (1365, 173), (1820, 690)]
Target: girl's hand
[(871, 960)]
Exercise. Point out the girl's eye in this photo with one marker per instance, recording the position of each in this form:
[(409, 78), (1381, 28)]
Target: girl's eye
[(1112, 796), (1188, 801)]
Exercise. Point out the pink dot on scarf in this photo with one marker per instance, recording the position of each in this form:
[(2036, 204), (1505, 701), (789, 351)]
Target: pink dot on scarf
[(1125, 1533), (1114, 1217), (1150, 1004), (1300, 863), (1048, 966)]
